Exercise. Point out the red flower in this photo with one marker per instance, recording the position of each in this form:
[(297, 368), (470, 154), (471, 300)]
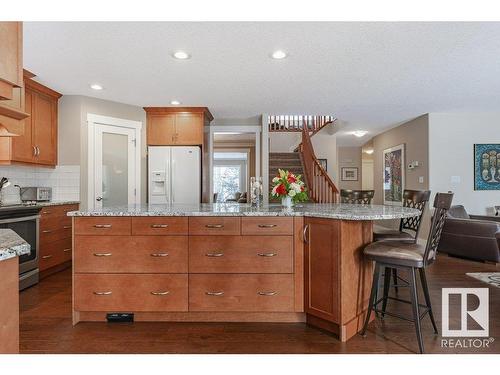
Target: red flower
[(281, 190), (302, 188), (291, 178)]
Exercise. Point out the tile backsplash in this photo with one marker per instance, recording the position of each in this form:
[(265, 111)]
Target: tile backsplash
[(64, 181)]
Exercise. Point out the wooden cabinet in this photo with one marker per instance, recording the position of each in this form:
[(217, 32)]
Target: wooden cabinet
[(55, 238), (337, 278), (9, 307), (11, 55), (206, 264), (38, 143), (322, 260), (170, 126)]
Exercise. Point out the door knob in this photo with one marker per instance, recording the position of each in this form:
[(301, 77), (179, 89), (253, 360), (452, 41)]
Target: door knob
[(98, 199)]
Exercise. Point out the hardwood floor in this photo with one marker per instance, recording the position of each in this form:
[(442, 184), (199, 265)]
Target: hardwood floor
[(45, 325)]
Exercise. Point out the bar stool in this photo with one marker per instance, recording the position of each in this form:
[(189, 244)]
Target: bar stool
[(411, 257), (412, 199), (356, 196)]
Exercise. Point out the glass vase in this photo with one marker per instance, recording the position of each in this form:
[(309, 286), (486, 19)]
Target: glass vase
[(256, 191)]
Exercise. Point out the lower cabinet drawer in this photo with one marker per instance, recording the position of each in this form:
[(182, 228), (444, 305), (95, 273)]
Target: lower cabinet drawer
[(259, 292), (103, 225), (129, 293), (54, 253), (241, 254), (131, 254), (51, 235)]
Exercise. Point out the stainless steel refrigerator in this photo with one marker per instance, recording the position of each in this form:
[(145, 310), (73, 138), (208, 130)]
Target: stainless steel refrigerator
[(174, 174)]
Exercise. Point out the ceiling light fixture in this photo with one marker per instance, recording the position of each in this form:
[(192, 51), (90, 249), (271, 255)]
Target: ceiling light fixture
[(96, 86), (359, 133), (279, 54), (369, 151), (181, 55), (175, 102)]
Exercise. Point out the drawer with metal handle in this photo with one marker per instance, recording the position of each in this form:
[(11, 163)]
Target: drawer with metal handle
[(241, 292), (131, 292), (214, 226), (275, 226), (159, 226), (102, 226), (241, 254), (131, 254)]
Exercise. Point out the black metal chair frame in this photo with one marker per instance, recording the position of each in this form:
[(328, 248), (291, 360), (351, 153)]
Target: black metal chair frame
[(356, 196), (442, 203)]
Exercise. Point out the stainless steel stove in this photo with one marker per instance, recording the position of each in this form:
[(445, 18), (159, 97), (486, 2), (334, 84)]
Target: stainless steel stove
[(24, 219)]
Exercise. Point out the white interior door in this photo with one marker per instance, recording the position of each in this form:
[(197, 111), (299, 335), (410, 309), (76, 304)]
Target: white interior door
[(115, 166)]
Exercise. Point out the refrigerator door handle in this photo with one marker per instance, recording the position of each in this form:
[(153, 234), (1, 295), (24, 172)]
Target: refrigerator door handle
[(171, 184)]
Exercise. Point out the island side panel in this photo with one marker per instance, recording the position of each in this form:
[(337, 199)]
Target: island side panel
[(298, 262), (337, 282), (9, 306), (356, 275)]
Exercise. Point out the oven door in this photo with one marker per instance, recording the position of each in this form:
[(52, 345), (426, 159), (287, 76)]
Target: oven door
[(27, 228)]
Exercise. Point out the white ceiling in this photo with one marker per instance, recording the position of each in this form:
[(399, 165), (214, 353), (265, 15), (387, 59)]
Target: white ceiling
[(370, 75)]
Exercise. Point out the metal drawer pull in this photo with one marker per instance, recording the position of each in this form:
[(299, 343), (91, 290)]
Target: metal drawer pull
[(67, 227), (214, 293), (159, 226), (46, 231), (214, 226), (160, 293), (47, 257), (159, 254), (214, 255), (267, 254), (102, 226), (66, 250), (267, 225), (46, 212), (103, 254), (103, 293), (267, 293)]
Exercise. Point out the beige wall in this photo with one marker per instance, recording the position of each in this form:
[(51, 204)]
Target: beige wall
[(73, 110), (451, 144), (349, 157), (325, 147), (414, 135)]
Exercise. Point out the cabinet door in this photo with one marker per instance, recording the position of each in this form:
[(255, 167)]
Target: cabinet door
[(189, 129), (161, 129), (45, 129), (322, 268), (11, 58), (22, 146)]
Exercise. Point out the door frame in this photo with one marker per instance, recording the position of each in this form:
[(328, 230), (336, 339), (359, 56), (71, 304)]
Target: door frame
[(230, 129), (94, 120)]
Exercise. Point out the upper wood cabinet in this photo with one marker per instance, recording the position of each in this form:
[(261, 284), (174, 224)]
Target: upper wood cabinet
[(12, 111), (180, 126), (38, 143)]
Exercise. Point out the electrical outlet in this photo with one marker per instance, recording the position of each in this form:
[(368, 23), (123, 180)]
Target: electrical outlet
[(421, 180)]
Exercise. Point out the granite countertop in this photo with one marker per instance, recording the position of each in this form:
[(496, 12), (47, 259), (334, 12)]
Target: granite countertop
[(12, 245), (56, 203), (340, 211)]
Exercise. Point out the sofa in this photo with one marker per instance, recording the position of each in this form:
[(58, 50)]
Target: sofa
[(471, 236)]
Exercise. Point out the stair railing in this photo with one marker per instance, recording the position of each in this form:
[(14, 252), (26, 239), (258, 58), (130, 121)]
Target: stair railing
[(296, 123), (321, 188)]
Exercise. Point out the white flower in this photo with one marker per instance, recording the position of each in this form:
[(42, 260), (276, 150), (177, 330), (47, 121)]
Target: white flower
[(274, 190), (296, 187), (276, 179), (292, 193)]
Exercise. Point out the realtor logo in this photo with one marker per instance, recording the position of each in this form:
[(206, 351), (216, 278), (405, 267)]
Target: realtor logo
[(479, 315)]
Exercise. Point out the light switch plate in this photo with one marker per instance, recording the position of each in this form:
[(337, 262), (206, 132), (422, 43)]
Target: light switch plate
[(421, 180)]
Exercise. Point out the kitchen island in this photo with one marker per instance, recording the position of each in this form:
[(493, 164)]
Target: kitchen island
[(227, 262), (12, 247)]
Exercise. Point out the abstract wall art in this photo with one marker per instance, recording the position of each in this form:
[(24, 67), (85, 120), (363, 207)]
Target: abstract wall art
[(487, 166)]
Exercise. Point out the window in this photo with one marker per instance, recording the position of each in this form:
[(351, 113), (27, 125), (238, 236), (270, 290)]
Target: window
[(226, 181)]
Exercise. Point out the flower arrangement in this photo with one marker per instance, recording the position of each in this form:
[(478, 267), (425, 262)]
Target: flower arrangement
[(289, 187)]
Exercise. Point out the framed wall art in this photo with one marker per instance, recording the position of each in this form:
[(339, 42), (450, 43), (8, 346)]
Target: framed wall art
[(349, 174), (487, 166), (394, 174)]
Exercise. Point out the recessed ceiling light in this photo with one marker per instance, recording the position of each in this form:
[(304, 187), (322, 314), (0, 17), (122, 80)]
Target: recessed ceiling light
[(359, 133), (279, 54), (96, 86), (181, 55), (175, 102), (369, 151)]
